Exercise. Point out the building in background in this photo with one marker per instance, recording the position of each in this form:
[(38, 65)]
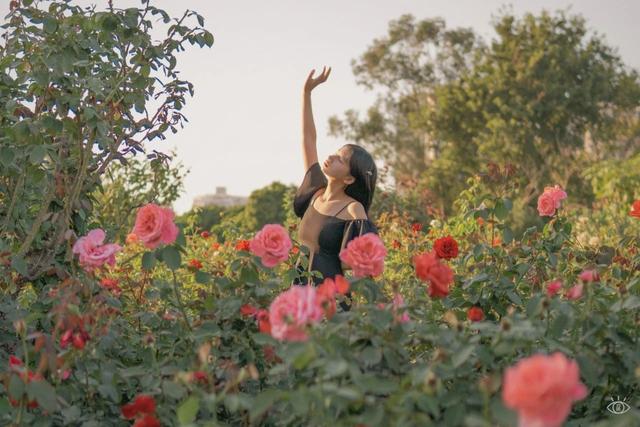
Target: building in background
[(220, 198)]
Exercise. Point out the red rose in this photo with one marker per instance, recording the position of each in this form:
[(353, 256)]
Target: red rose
[(475, 314), (243, 245), (429, 269), (446, 247), (66, 338), (142, 404), (205, 234), (264, 325), (111, 285), (78, 341), (396, 244), (635, 209), (196, 264), (14, 362), (416, 226), (248, 310), (200, 376)]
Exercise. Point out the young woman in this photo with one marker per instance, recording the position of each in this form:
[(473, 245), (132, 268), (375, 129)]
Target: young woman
[(334, 198)]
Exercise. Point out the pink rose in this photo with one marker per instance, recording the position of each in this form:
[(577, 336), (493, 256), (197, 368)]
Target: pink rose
[(550, 200), (588, 276), (326, 293), (365, 255), (429, 269), (293, 311), (92, 252), (575, 292), (400, 314), (553, 288), (546, 205), (154, 226), (542, 389), (557, 194), (272, 244)]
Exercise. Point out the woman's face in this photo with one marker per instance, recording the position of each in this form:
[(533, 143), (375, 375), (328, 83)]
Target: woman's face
[(337, 164)]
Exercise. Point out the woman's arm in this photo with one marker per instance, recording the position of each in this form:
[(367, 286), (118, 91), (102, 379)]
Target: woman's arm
[(310, 152)]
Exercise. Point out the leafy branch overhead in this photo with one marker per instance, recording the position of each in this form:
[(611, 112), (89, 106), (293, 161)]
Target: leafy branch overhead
[(80, 87), (544, 94)]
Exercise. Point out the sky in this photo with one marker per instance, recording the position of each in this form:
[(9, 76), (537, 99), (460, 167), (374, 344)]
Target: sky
[(245, 129)]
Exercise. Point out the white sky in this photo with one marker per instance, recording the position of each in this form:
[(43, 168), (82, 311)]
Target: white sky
[(244, 129)]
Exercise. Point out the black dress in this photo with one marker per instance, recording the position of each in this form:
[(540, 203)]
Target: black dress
[(322, 235)]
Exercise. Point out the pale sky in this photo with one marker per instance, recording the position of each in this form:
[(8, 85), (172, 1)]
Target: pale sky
[(244, 129)]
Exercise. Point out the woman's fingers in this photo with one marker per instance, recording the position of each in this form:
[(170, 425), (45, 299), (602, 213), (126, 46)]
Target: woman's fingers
[(313, 82), (328, 72)]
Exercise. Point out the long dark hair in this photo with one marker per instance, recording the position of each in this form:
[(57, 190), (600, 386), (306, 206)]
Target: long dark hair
[(364, 170)]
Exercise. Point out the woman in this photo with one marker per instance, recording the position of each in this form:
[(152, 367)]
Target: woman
[(334, 198)]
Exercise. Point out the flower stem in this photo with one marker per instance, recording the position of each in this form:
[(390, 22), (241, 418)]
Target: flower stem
[(179, 300)]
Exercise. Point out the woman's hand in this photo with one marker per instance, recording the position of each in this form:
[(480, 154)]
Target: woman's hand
[(311, 83)]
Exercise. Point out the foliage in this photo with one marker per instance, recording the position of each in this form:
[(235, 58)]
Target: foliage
[(177, 331), (544, 95), (131, 184), (265, 205), (80, 88)]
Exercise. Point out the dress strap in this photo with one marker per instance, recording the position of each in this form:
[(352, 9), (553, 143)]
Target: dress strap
[(353, 201), (313, 199)]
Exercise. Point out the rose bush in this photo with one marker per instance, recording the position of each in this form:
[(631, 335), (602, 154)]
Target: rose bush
[(231, 342), (459, 322)]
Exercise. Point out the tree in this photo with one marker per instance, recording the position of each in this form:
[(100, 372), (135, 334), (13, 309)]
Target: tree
[(546, 97), (265, 206), (543, 95), (76, 88), (407, 66), (133, 183)]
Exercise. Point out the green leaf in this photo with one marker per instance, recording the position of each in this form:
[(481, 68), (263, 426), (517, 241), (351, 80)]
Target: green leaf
[(558, 325), (534, 306), (109, 23), (461, 356), (507, 235), (6, 156), (171, 257), (173, 389), (371, 356), (376, 385), (148, 260), (263, 402), (181, 240), (16, 387), (202, 277), (44, 394), (208, 39), (502, 208), (20, 266), (305, 357), (188, 410), (514, 297), (37, 154), (50, 25)]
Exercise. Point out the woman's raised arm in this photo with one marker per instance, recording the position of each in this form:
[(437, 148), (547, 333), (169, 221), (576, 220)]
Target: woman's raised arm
[(309, 150)]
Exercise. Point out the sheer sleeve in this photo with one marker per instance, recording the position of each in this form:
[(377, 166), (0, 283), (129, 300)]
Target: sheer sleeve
[(356, 228), (313, 180)]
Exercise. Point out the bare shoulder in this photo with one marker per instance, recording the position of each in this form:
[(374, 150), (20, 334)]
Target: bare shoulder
[(319, 192), (356, 210)]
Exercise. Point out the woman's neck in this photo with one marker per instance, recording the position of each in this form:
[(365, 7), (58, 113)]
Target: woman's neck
[(334, 191)]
